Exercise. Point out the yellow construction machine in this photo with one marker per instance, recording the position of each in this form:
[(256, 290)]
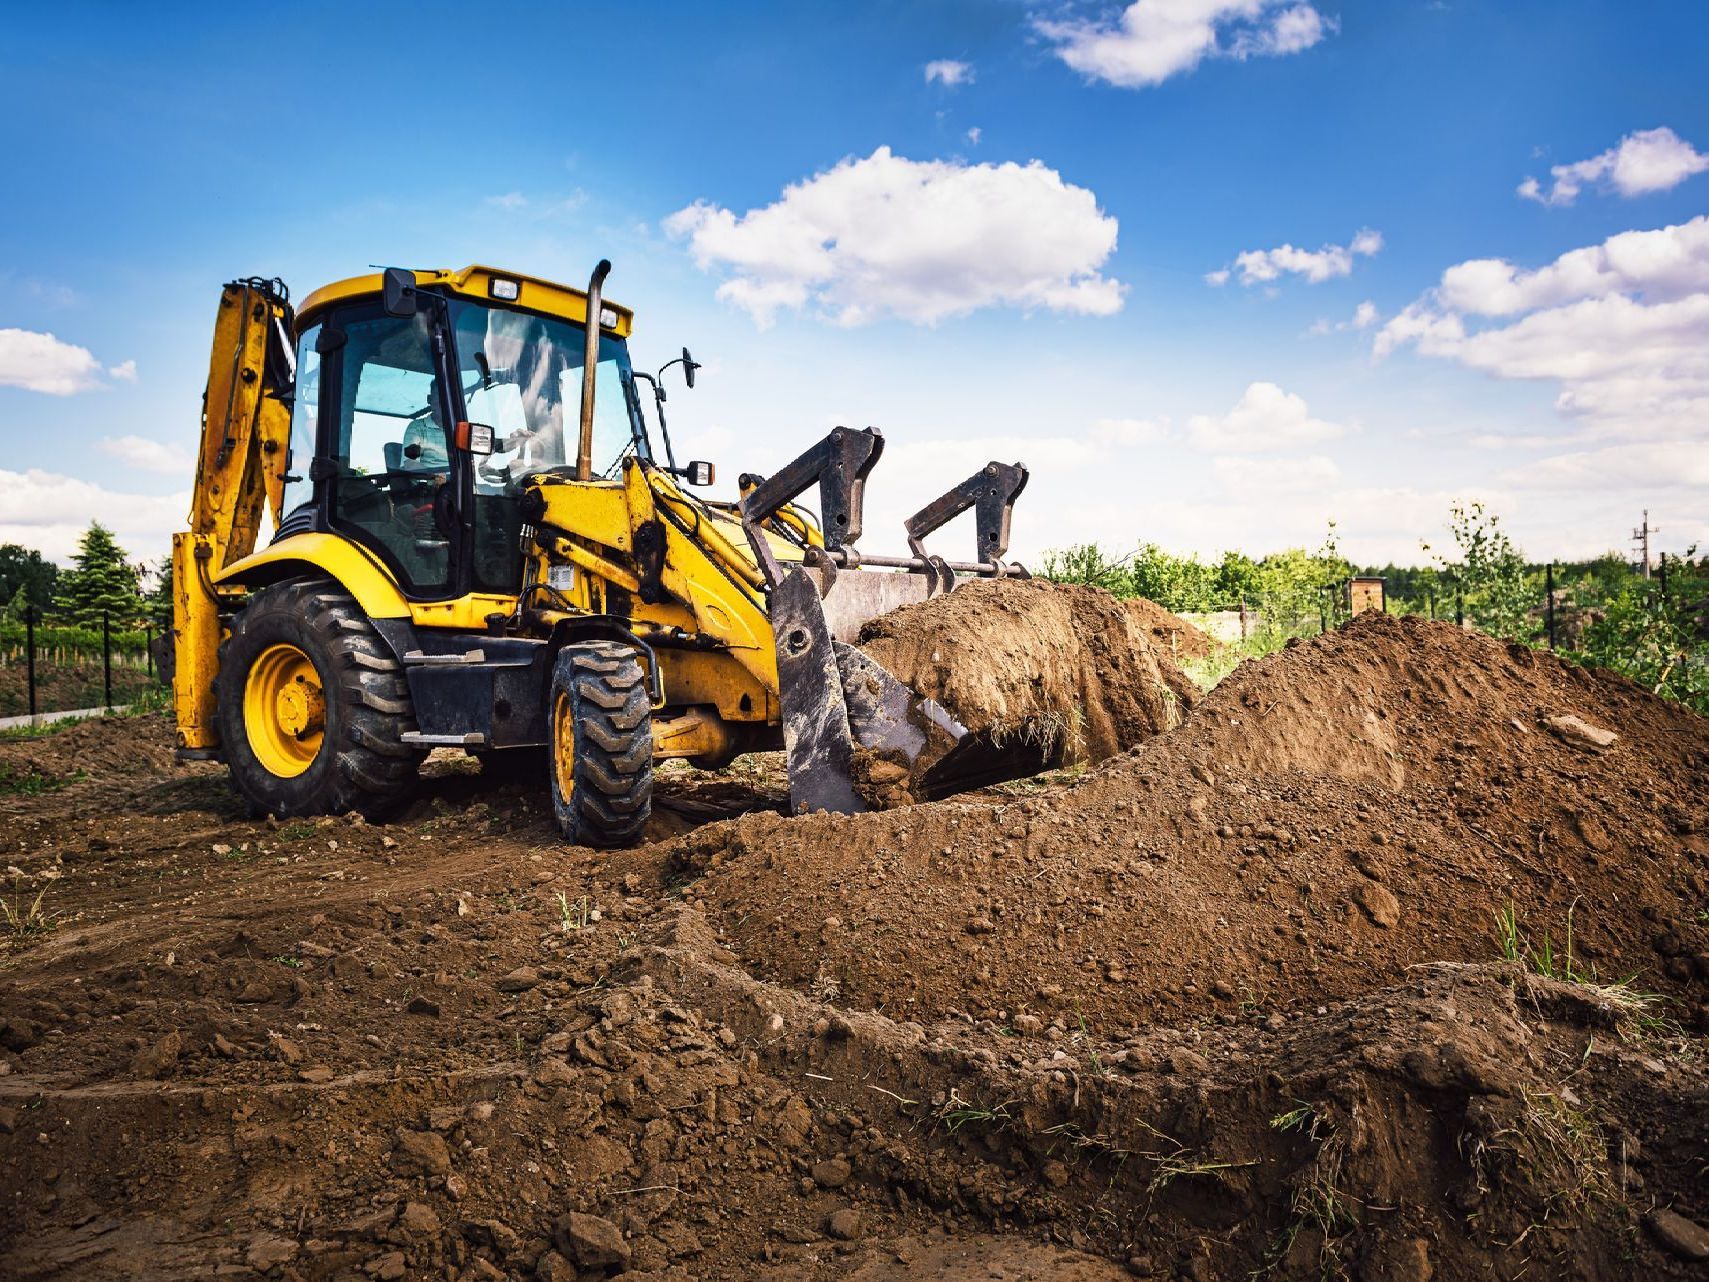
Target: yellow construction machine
[(481, 542)]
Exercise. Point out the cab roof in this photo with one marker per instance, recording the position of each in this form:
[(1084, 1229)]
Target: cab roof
[(475, 283)]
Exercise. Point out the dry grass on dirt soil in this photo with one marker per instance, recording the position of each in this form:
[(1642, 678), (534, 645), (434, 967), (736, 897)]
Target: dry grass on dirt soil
[(1230, 1003)]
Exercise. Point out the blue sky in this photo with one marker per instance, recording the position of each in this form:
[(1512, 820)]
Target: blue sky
[(1006, 257)]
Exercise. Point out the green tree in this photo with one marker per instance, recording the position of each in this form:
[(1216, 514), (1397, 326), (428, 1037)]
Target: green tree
[(101, 581), (1174, 582), (27, 571), (1089, 564), (1490, 573)]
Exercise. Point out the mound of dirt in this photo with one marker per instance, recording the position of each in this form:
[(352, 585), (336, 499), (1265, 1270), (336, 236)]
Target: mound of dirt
[(1041, 662), (100, 747), (1173, 634), (1230, 1005), (1355, 805)]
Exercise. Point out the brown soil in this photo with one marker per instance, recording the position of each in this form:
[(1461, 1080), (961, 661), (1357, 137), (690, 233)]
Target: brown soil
[(1230, 1004), (1023, 658), (1173, 634)]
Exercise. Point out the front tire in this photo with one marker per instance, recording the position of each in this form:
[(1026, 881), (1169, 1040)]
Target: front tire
[(601, 720), (312, 706)]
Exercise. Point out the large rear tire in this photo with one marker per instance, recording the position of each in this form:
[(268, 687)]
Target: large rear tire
[(601, 720), (312, 706)]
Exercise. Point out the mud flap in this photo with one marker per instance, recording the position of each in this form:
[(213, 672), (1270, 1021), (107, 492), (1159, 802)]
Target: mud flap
[(816, 737)]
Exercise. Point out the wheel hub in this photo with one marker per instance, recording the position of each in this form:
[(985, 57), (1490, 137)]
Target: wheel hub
[(284, 710)]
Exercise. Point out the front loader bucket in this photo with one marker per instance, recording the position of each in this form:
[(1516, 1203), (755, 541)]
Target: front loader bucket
[(837, 702)]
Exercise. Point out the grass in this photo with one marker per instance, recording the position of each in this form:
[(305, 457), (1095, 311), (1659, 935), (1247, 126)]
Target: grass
[(33, 783), (575, 916), (1636, 1012), (1182, 1165), (956, 1113), (23, 915)]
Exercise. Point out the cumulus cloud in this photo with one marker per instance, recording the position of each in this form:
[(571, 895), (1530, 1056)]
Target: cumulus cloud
[(49, 512), (124, 371), (1646, 161), (1261, 266), (147, 455), (1265, 419), (974, 134), (921, 240), (1621, 328), (949, 72), (42, 363), (1152, 40)]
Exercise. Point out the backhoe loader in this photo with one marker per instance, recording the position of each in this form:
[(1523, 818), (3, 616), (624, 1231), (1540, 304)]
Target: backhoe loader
[(480, 542)]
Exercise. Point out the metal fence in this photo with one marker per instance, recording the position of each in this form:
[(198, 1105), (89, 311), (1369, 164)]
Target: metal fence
[(54, 663)]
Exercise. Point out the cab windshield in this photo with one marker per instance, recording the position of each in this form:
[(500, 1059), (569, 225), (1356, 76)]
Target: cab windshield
[(522, 375)]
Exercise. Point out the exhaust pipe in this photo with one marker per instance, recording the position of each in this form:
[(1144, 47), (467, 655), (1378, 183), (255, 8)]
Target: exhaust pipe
[(590, 366)]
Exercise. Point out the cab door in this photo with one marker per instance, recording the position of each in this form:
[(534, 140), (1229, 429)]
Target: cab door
[(390, 474)]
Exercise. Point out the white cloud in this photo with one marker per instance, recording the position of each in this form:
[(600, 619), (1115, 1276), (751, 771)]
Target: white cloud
[(49, 512), (1666, 263), (974, 134), (1623, 327), (1260, 266), (949, 72), (921, 240), (1646, 469), (1646, 161), (1364, 316), (1155, 39), (510, 201), (1265, 419), (147, 455), (42, 363), (124, 371)]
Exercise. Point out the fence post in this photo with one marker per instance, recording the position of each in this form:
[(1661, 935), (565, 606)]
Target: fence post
[(1549, 588), (1664, 580), (1459, 606), (30, 655), (148, 649), (107, 659)]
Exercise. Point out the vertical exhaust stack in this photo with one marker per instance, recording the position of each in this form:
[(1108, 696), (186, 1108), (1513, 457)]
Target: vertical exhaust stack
[(590, 367)]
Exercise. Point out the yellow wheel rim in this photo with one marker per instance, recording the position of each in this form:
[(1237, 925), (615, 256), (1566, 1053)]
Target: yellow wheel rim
[(284, 710), (564, 746)]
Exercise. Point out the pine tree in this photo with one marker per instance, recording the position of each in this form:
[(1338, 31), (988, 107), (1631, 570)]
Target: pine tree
[(102, 581)]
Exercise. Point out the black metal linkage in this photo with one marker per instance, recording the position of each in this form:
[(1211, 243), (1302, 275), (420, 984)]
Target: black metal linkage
[(991, 492), (838, 465)]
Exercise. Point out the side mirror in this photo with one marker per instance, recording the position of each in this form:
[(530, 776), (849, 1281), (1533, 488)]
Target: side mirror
[(397, 292), (476, 438), (700, 472), (688, 368)]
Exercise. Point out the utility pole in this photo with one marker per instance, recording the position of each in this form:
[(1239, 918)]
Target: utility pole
[(1641, 540)]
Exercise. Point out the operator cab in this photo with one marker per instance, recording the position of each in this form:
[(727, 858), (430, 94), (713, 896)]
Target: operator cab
[(390, 374)]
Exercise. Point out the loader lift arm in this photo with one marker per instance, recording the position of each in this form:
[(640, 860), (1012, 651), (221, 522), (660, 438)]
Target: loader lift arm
[(240, 470)]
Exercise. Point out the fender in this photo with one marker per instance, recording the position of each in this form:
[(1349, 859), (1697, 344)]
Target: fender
[(338, 558)]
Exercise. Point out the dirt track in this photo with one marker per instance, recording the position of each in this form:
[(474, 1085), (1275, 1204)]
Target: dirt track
[(1229, 1003)]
